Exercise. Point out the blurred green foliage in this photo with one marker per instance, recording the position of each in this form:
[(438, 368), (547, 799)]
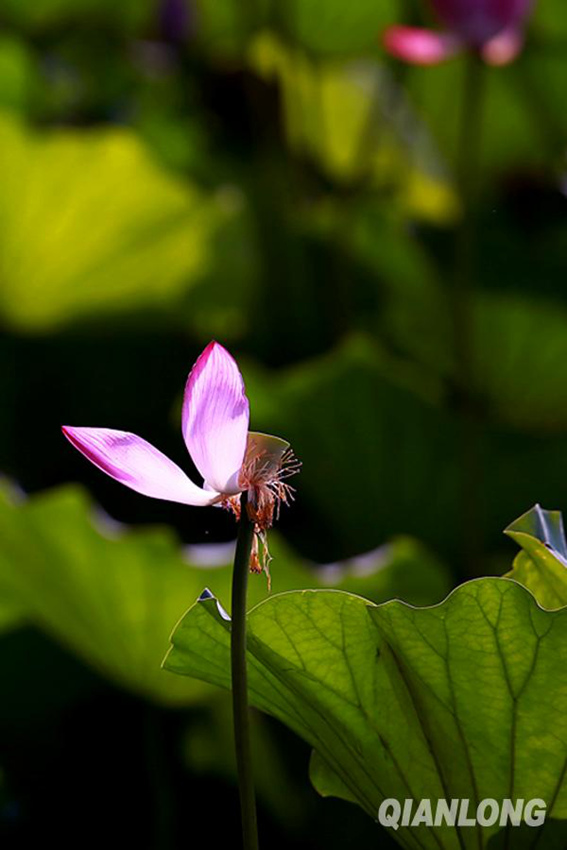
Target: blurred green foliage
[(94, 226), (33, 15), (113, 596)]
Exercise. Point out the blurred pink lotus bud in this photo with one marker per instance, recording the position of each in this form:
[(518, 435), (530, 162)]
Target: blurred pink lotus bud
[(176, 20), (494, 28)]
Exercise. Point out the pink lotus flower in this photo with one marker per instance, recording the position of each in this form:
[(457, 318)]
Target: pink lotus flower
[(229, 457), (492, 28)]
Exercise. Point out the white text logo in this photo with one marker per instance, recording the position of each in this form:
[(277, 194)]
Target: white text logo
[(393, 814)]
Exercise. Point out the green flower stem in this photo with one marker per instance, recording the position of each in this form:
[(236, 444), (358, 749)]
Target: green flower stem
[(467, 177), (239, 678)]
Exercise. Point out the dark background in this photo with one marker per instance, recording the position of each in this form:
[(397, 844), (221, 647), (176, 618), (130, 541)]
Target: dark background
[(262, 173)]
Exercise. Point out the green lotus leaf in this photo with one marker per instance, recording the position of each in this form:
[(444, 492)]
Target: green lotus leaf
[(385, 453), (92, 226), (337, 114), (111, 595), (541, 566), (467, 699), (11, 615)]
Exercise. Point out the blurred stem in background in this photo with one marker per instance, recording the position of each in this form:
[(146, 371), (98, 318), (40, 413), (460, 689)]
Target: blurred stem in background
[(240, 710), (462, 302), (159, 778)]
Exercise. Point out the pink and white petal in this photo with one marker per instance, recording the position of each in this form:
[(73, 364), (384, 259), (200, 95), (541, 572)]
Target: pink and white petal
[(421, 46), (504, 47), (137, 464), (215, 418)]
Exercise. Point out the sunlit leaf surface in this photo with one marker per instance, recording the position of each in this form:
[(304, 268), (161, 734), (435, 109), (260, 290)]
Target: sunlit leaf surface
[(91, 225), (467, 699), (542, 564)]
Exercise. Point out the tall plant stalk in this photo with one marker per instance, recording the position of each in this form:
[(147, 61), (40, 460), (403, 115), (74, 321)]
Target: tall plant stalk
[(240, 710)]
